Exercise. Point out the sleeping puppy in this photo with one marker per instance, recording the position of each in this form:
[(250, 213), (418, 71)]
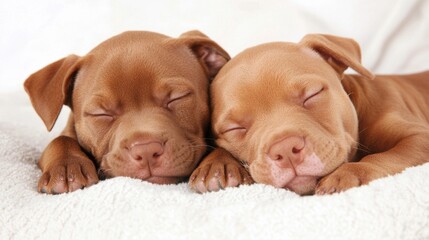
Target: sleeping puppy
[(293, 118), (139, 106)]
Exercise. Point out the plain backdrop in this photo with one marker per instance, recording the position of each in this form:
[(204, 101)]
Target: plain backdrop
[(393, 34)]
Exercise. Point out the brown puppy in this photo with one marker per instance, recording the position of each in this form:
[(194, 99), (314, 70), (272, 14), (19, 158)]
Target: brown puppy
[(139, 106), (291, 115)]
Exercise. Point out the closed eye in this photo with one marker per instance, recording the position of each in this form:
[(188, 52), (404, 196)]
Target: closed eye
[(234, 128), (174, 98), (311, 95), (100, 115)]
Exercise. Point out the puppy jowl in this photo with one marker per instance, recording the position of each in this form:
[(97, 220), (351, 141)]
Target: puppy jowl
[(139, 106)]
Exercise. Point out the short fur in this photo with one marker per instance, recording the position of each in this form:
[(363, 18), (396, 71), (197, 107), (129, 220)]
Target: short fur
[(139, 106), (296, 121)]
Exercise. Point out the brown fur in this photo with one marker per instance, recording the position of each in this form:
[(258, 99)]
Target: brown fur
[(139, 108), (281, 106)]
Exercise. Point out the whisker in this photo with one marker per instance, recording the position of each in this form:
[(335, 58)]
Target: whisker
[(362, 147), (198, 146), (244, 164)]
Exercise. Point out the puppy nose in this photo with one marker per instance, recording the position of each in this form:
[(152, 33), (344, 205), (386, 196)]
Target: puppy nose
[(289, 148), (146, 151)]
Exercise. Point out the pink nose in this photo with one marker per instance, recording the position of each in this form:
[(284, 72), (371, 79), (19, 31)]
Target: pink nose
[(289, 149), (148, 151)]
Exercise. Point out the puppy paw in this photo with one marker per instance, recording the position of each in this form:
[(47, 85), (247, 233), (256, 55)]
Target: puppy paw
[(67, 176), (218, 171), (347, 176)]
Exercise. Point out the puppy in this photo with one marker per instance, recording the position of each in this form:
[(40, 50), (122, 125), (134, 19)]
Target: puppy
[(139, 106), (293, 118)]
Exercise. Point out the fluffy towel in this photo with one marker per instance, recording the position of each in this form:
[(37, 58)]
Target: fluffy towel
[(395, 207)]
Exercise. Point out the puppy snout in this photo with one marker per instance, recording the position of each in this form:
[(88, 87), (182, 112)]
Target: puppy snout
[(289, 150), (148, 151)]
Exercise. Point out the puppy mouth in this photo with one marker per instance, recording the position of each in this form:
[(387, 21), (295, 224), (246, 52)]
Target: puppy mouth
[(104, 174), (173, 166), (156, 176)]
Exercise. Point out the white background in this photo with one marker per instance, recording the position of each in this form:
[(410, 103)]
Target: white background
[(394, 34)]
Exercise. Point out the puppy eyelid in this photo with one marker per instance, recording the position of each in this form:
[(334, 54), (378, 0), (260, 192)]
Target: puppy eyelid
[(233, 127), (99, 113), (175, 97), (312, 94)]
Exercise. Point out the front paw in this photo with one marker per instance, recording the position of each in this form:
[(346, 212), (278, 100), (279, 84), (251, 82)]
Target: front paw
[(218, 171), (67, 176), (347, 176)]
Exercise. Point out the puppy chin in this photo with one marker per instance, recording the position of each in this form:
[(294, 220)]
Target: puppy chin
[(103, 174), (165, 180), (302, 185)]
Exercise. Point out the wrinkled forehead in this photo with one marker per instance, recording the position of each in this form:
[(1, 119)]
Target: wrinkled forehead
[(287, 59), (135, 70), (129, 69), (263, 72), (144, 53), (135, 53)]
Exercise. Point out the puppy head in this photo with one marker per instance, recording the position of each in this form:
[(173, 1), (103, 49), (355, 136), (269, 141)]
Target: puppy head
[(280, 108), (139, 101)]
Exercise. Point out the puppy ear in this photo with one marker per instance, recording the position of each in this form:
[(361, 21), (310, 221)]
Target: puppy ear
[(49, 88), (211, 56), (339, 52)]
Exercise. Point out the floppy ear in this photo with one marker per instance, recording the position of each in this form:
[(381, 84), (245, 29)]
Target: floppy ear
[(49, 88), (211, 56), (339, 52)]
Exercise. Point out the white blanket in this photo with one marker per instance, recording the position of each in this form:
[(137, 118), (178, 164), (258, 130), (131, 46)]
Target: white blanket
[(395, 207)]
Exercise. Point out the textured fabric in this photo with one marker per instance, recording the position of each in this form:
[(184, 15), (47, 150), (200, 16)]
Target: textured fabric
[(395, 207)]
